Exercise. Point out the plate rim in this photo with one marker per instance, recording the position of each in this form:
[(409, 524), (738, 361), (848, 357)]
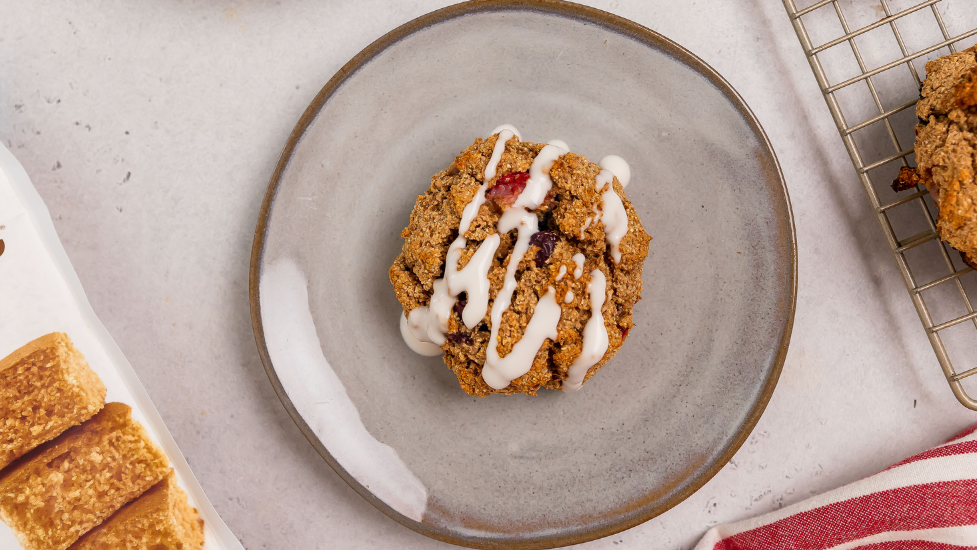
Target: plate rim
[(586, 14)]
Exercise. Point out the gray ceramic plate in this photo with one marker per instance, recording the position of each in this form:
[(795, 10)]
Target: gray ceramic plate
[(712, 330)]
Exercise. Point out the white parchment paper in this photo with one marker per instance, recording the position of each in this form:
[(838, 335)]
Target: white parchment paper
[(40, 294)]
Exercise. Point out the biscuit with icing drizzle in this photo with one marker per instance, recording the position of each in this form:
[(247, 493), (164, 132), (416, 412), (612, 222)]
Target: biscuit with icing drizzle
[(521, 264)]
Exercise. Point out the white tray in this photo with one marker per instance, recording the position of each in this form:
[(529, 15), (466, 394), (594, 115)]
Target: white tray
[(40, 293)]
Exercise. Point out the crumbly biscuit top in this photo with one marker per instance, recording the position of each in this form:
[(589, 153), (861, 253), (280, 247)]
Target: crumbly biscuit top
[(570, 217)]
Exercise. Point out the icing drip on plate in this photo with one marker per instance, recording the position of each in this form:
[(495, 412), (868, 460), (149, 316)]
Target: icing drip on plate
[(421, 348)]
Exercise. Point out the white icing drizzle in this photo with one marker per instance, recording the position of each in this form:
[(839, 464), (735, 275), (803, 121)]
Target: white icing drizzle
[(473, 279), (561, 144), (605, 177), (424, 327), (493, 163), (470, 211), (509, 127), (429, 324), (615, 219), (590, 220), (613, 214), (419, 347), (499, 372), (578, 259), (618, 166), (595, 341), (440, 310), (586, 224), (539, 183)]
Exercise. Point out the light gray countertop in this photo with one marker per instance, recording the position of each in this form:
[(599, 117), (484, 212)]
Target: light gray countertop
[(151, 130)]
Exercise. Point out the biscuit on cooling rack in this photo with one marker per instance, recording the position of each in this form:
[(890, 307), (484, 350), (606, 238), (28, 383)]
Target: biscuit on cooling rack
[(946, 147)]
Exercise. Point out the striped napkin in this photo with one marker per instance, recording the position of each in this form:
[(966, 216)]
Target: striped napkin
[(926, 502)]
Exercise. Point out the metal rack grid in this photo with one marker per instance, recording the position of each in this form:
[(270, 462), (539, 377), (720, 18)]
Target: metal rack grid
[(862, 75)]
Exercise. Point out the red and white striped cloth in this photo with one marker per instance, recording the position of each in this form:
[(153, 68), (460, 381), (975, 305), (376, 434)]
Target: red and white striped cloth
[(926, 502)]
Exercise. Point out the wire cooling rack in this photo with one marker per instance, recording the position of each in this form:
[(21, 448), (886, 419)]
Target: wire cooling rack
[(870, 78)]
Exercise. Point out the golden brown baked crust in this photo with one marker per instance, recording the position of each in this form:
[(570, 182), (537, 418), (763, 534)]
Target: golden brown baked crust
[(573, 200), (160, 519), (60, 490), (946, 145), (45, 388)]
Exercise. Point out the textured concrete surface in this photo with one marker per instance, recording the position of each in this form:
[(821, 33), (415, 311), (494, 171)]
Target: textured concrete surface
[(151, 130)]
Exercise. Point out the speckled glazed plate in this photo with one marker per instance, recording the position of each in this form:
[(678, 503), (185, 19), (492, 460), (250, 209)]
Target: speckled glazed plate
[(712, 330)]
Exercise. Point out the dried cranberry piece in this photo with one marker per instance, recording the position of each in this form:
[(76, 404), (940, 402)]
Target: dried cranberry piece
[(459, 306), (507, 188), (546, 241), (908, 179), (624, 331), (460, 338), (967, 259)]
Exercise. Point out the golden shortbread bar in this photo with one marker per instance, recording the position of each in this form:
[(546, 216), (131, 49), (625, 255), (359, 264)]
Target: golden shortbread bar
[(56, 493), (160, 518), (46, 387)]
